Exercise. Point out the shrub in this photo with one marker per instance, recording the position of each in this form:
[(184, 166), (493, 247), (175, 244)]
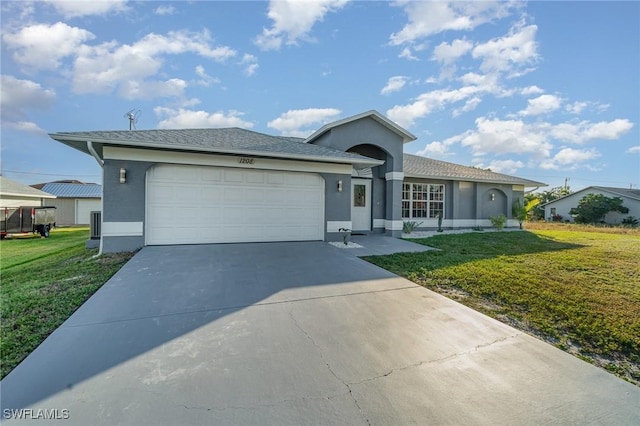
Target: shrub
[(499, 221), (630, 222), (409, 225), (556, 218)]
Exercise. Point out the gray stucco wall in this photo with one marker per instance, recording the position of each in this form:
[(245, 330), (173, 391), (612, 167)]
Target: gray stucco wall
[(337, 205), (472, 200), (124, 202), (366, 131)]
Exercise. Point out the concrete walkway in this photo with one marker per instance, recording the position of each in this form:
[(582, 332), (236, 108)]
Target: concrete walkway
[(297, 333)]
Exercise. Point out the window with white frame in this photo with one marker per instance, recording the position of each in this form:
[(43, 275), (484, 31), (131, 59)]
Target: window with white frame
[(422, 200)]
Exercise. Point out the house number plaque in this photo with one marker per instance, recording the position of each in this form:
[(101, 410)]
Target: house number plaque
[(245, 160)]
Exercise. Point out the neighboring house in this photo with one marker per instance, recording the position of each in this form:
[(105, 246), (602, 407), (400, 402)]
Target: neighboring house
[(194, 186), (561, 207), (15, 194), (74, 200)]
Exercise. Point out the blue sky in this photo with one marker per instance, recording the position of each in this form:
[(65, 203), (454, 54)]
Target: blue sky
[(541, 90)]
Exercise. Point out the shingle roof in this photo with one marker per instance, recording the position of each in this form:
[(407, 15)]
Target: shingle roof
[(627, 192), (73, 190), (227, 140), (13, 188), (624, 192), (422, 167)]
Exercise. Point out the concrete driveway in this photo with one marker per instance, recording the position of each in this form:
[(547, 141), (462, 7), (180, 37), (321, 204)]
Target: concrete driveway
[(297, 333)]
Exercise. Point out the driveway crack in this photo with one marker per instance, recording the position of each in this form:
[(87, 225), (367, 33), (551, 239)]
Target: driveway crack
[(347, 385), (438, 360)]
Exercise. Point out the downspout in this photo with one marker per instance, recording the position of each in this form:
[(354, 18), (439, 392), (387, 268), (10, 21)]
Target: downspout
[(101, 163)]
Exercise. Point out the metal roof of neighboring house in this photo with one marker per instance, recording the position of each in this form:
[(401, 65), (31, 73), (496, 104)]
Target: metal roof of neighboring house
[(226, 141), (620, 192), (12, 188), (406, 136), (422, 167), (73, 190)]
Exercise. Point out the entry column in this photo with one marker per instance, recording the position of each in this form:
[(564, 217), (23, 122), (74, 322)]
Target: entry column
[(393, 218)]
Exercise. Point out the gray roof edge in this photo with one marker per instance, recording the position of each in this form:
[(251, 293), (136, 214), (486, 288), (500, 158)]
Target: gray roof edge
[(601, 188), (516, 181), (406, 135), (66, 137)]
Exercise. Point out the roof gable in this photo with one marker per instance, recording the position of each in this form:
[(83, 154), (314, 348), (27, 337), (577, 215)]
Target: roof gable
[(422, 167), (404, 134), (12, 188), (616, 192)]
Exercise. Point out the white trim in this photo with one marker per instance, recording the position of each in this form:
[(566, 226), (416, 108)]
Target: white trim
[(378, 223), (335, 225), (463, 223), (393, 225), (173, 157), (122, 229), (394, 176)]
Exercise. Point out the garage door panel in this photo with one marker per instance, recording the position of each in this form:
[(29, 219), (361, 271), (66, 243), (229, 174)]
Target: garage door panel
[(195, 204)]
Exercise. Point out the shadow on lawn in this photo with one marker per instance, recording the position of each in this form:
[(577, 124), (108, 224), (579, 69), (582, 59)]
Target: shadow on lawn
[(456, 249), (164, 293)]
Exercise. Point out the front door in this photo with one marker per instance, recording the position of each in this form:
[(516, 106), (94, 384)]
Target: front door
[(361, 204)]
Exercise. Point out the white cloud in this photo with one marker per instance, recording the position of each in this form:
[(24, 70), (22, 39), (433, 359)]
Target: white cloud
[(569, 159), (494, 136), (586, 131), (24, 126), (406, 53), (541, 105), (394, 84), (18, 96), (428, 18), (205, 79), (77, 8), (469, 105), (293, 20), (435, 149), (503, 166), (251, 64), (131, 89), (576, 107), (43, 46), (189, 119), (511, 51), (108, 66), (531, 90), (426, 103), (296, 122), (448, 53), (165, 10), (634, 150)]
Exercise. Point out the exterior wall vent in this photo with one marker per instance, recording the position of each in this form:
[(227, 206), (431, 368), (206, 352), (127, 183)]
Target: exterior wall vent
[(95, 224)]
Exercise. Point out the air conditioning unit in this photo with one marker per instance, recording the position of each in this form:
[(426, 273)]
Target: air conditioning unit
[(95, 225)]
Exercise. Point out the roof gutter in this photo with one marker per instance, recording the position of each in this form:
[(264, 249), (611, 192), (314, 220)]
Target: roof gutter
[(101, 163), (94, 153)]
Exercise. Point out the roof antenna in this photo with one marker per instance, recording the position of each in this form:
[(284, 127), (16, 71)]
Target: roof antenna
[(133, 116)]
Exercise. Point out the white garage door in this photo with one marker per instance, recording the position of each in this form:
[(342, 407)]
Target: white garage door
[(200, 205), (84, 209)]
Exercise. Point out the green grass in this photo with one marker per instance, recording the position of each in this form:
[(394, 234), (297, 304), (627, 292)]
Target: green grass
[(43, 281), (577, 289)]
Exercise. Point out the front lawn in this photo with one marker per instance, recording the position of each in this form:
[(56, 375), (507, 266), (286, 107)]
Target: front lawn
[(43, 282), (578, 289)]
